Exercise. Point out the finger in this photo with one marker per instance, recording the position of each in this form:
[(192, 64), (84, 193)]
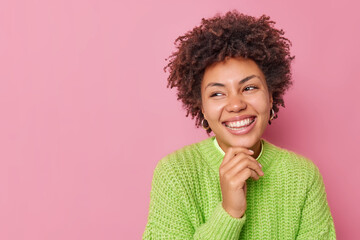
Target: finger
[(237, 181), (234, 151), (240, 164), (238, 170), (235, 160), (254, 175)]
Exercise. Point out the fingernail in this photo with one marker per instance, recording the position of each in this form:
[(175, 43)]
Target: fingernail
[(260, 165), (252, 152)]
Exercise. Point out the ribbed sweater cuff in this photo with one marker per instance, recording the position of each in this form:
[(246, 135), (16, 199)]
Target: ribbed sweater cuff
[(222, 225)]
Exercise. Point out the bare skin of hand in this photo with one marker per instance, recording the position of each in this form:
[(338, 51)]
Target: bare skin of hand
[(237, 166)]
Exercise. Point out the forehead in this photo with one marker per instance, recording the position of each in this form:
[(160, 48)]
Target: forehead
[(231, 69)]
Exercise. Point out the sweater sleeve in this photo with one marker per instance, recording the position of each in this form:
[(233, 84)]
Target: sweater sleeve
[(316, 220), (168, 213)]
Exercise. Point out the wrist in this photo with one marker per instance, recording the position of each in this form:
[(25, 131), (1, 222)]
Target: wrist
[(234, 213)]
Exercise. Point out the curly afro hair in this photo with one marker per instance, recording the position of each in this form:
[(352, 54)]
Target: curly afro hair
[(231, 35)]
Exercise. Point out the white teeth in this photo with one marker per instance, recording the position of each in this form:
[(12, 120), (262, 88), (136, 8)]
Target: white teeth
[(239, 124)]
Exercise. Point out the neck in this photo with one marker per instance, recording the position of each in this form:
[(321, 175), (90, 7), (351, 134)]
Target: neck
[(257, 149)]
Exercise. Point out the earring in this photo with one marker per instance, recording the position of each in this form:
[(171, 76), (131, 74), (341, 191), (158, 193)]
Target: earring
[(203, 125), (272, 115)]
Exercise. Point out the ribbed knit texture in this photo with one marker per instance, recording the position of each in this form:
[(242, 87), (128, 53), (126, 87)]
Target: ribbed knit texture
[(288, 202)]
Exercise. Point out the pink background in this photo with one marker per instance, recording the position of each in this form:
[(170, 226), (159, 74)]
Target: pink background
[(85, 113)]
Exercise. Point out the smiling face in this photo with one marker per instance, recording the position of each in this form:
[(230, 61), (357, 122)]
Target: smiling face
[(236, 103)]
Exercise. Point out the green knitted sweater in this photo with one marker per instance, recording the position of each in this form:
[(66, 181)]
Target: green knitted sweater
[(288, 202)]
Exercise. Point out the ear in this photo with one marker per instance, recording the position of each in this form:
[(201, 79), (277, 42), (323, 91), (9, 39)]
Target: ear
[(203, 113), (271, 100)]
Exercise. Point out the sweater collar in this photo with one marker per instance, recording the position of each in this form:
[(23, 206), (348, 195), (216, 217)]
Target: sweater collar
[(223, 153), (214, 155)]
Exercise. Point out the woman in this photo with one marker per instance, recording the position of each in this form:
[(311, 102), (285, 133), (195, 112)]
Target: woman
[(231, 73)]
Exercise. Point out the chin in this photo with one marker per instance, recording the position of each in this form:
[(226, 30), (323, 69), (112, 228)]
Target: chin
[(245, 143)]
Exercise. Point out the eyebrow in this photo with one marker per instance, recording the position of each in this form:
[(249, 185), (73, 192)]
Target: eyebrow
[(242, 81)]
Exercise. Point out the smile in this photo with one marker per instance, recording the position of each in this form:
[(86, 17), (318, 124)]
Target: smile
[(241, 126)]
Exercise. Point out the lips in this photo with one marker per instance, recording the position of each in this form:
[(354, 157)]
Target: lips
[(240, 124), (239, 121)]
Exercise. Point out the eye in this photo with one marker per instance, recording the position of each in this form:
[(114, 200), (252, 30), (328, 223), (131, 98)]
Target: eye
[(216, 94), (249, 88)]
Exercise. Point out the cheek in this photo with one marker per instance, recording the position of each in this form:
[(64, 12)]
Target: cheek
[(261, 104), (212, 111)]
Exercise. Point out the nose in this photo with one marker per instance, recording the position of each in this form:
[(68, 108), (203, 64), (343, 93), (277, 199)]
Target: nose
[(235, 103)]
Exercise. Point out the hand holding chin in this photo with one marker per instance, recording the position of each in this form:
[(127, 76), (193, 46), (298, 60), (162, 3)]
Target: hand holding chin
[(237, 166)]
